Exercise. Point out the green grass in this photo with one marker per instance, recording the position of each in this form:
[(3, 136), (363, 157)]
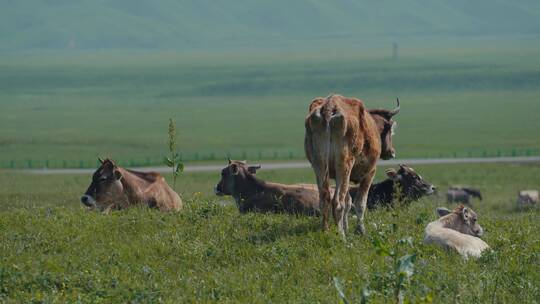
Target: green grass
[(52, 250), (467, 101)]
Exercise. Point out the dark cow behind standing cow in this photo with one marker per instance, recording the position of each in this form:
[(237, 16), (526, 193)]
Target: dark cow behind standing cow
[(405, 182), (115, 188), (253, 194)]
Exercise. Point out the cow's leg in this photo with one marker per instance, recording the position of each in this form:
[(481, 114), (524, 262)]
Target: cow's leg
[(323, 183), (360, 200), (339, 201), (348, 206)]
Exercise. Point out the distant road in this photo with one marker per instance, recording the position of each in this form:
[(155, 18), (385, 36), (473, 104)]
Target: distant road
[(305, 164)]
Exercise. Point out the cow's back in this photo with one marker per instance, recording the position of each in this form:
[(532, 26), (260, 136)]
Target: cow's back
[(297, 198), (154, 191), (465, 245), (171, 199), (337, 126)]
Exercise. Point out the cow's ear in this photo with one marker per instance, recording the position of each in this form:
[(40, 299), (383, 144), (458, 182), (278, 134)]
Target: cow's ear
[(101, 161), (253, 169), (441, 211), (392, 174), (229, 159), (234, 169), (117, 175)]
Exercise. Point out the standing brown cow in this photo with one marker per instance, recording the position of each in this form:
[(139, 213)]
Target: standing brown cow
[(114, 187), (343, 141)]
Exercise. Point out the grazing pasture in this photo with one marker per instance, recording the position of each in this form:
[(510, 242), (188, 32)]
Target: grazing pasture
[(73, 107), (53, 250)]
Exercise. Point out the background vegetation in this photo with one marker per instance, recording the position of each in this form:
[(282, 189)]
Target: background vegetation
[(81, 79), (205, 24), (55, 251), (74, 107)]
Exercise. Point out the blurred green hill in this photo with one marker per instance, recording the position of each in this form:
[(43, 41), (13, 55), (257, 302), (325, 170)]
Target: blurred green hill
[(207, 24)]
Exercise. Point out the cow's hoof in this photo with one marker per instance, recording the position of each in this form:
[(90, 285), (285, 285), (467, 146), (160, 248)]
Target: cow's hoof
[(360, 230)]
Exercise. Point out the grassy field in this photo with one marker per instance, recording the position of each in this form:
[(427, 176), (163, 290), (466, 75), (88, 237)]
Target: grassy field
[(52, 250), (473, 100)]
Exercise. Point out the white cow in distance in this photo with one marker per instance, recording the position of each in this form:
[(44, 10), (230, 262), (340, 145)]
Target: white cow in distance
[(527, 198), (457, 230)]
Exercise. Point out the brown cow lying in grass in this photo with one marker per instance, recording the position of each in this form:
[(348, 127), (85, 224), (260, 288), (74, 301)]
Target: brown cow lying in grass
[(115, 188), (252, 194), (457, 230)]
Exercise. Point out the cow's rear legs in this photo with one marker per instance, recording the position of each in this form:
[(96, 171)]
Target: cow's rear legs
[(360, 200)]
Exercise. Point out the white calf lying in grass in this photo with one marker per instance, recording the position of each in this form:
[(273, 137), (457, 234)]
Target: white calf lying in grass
[(457, 230)]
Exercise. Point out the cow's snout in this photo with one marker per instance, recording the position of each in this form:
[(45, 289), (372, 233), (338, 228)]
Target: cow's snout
[(479, 232), (88, 200), (432, 189), (217, 191)]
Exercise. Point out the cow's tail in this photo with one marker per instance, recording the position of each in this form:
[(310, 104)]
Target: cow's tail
[(327, 147)]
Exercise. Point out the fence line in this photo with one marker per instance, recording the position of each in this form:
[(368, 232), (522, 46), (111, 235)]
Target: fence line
[(252, 155)]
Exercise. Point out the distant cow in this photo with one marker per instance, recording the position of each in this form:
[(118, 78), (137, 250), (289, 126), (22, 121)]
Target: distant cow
[(114, 188), (343, 141), (527, 198), (405, 182), (457, 230), (252, 194), (462, 194)]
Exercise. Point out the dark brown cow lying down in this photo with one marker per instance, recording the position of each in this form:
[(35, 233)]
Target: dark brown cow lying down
[(115, 188), (409, 183), (252, 194)]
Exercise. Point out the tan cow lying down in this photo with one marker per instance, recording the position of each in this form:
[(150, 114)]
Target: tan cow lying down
[(457, 230), (115, 188), (252, 194)]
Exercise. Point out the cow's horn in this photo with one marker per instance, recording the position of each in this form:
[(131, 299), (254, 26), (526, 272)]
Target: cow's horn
[(100, 160), (396, 110)]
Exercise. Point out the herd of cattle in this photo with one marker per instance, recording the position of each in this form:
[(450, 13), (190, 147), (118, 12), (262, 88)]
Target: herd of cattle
[(343, 141)]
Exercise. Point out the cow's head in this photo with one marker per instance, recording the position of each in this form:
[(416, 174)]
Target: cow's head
[(234, 174), (463, 220), (386, 126), (106, 188), (412, 184)]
